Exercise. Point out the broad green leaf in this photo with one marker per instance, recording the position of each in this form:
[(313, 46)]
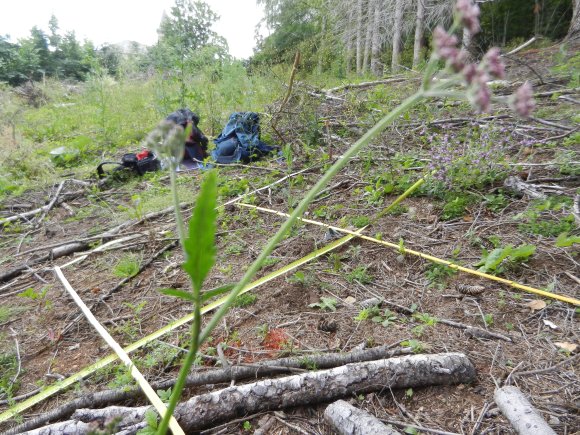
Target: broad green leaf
[(216, 291), (522, 253), (200, 243), (563, 240), (182, 294), (152, 419), (484, 255), (495, 258)]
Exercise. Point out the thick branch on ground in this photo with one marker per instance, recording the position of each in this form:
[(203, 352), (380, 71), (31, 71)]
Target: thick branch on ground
[(520, 413), (299, 390), (55, 253), (73, 247), (521, 188), (348, 420), (259, 370), (472, 331), (364, 85)]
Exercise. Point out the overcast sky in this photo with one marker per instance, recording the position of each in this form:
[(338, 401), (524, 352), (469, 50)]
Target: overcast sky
[(114, 21)]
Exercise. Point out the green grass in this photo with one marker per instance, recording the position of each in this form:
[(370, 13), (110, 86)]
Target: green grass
[(8, 313)]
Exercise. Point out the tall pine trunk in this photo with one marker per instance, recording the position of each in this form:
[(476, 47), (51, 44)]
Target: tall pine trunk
[(419, 30), (368, 36), (322, 46), (574, 29), (397, 30), (349, 43), (376, 66), (359, 40)]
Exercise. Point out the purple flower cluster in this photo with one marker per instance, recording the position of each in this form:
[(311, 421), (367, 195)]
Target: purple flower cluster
[(467, 161), (476, 76), (469, 15), (522, 101)]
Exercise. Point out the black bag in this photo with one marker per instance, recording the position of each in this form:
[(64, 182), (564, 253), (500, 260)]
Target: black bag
[(196, 143), (145, 161)]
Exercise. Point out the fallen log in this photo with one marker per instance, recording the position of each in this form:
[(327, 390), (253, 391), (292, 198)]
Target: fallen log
[(364, 85), (521, 188), (53, 254), (299, 390), (348, 420), (521, 414), (259, 370)]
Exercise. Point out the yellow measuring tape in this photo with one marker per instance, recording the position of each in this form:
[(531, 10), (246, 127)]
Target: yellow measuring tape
[(61, 385), (513, 284)]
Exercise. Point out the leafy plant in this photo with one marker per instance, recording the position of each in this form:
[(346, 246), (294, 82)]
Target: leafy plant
[(426, 319), (164, 395), (127, 267), (496, 203), (367, 313), (300, 278), (245, 300), (325, 304), (438, 274), (456, 207), (386, 319), (360, 221), (263, 330), (415, 345), (360, 274), (499, 259), (40, 297), (488, 319), (8, 369), (563, 240), (542, 218)]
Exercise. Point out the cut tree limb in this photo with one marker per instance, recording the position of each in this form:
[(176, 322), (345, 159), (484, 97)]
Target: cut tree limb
[(521, 188), (521, 47), (521, 414), (258, 370), (348, 420), (366, 84), (50, 204), (298, 390)]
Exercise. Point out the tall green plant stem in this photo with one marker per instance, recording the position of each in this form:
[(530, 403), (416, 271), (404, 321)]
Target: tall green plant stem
[(199, 337), (177, 205), (301, 208), (195, 327)]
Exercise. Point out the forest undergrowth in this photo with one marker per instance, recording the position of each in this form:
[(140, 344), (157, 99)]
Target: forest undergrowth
[(501, 196)]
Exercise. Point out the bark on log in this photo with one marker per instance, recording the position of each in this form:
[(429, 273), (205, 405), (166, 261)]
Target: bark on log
[(521, 188), (55, 253), (520, 413), (348, 420), (260, 370), (298, 390)]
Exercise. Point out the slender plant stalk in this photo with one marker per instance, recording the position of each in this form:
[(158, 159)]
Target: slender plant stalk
[(196, 325), (401, 197), (200, 337), (301, 208), (178, 216)]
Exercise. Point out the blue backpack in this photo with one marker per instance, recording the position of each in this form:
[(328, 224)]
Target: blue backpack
[(240, 140)]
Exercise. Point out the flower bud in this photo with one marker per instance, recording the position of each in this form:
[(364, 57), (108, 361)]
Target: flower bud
[(522, 102), (468, 14)]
